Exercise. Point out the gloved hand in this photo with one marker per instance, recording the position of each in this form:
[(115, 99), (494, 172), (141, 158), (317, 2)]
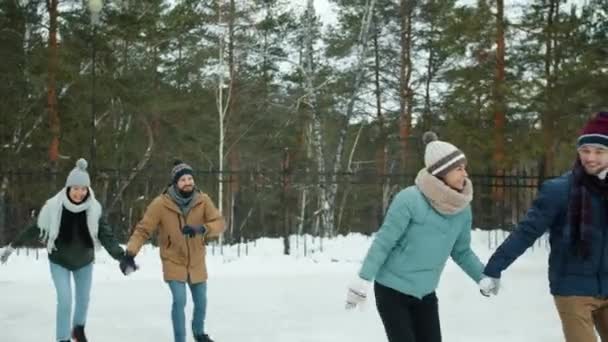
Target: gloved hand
[(357, 293), (489, 286), (127, 264), (6, 252), (192, 230)]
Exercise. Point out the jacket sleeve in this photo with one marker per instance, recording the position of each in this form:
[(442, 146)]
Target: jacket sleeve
[(214, 222), (108, 240), (144, 228), (464, 256), (33, 231), (395, 224), (538, 219), (29, 235)]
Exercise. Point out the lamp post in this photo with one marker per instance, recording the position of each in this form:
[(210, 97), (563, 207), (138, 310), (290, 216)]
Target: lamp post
[(95, 7)]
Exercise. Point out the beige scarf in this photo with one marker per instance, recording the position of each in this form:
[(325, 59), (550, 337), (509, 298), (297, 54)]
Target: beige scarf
[(444, 199)]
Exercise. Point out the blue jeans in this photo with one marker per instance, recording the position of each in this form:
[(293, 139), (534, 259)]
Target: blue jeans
[(178, 318), (63, 287)]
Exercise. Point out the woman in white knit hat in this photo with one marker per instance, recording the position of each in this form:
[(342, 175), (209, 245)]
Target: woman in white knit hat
[(70, 224), (425, 225)]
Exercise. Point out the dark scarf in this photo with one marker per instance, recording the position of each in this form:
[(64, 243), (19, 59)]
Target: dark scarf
[(183, 200), (580, 209)]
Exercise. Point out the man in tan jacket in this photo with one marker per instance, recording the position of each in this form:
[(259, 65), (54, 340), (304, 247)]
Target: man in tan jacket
[(184, 218)]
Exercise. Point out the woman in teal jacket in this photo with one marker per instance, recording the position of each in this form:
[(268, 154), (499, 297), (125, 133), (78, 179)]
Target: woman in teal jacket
[(425, 224)]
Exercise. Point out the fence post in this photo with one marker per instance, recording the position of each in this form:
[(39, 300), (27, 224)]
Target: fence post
[(284, 198)]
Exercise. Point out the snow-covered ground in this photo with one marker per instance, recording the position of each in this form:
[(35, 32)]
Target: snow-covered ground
[(268, 297)]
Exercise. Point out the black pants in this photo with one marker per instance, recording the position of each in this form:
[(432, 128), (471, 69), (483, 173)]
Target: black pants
[(407, 318)]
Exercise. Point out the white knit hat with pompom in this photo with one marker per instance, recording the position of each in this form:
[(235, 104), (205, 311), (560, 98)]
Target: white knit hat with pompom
[(79, 175)]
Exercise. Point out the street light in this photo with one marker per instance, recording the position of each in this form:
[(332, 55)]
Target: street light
[(95, 7)]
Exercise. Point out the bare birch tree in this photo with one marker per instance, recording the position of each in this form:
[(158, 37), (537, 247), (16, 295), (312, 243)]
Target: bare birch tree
[(328, 186)]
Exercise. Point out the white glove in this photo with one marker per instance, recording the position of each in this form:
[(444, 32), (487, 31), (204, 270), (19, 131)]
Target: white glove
[(489, 286), (357, 293), (6, 252)]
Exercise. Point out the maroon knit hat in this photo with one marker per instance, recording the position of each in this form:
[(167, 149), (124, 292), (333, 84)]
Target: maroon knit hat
[(595, 131)]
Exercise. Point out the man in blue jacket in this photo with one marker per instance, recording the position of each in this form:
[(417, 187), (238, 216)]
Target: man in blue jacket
[(574, 209)]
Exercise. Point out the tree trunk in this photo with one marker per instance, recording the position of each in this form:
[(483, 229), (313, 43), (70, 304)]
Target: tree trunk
[(54, 120), (548, 115), (17, 43), (427, 120), (499, 102), (356, 85), (405, 116), (381, 148), (3, 210), (232, 118), (348, 187), (317, 141), (285, 172), (135, 171), (221, 110)]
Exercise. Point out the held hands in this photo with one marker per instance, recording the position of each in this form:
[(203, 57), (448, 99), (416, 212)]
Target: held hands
[(127, 264), (357, 293), (489, 286), (6, 253), (192, 230)]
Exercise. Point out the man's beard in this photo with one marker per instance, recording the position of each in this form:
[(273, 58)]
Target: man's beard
[(186, 193)]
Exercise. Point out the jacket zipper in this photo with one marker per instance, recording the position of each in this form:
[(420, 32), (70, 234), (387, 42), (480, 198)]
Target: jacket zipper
[(179, 219), (601, 270)]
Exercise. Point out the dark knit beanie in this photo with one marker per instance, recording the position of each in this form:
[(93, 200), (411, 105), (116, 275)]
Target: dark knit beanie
[(179, 169)]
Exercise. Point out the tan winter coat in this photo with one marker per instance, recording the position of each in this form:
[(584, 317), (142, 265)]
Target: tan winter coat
[(183, 258)]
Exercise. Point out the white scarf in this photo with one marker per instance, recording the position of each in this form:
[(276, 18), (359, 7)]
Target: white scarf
[(49, 218), (443, 198)]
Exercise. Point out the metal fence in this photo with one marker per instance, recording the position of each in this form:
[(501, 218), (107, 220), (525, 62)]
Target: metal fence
[(265, 203)]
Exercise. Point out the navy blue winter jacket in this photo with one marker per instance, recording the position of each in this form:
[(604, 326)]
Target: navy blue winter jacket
[(569, 274)]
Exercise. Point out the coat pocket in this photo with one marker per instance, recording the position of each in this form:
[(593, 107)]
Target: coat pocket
[(172, 250), (570, 263), (576, 265)]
